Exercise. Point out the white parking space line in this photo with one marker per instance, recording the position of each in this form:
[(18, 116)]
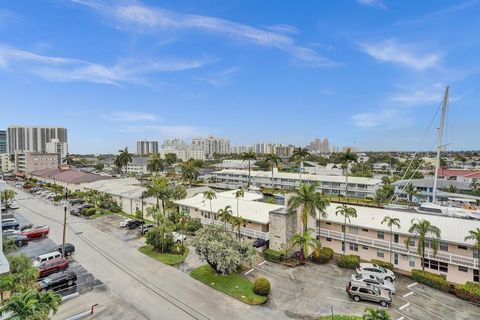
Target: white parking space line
[(249, 271), (404, 316), (421, 308), (262, 263), (408, 294), (404, 306), (412, 285), (439, 302)]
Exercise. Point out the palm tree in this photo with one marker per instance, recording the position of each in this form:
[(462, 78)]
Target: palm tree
[(123, 159), (31, 305), (305, 241), (225, 215), (159, 189), (7, 284), (475, 236), (411, 191), (308, 200), (299, 154), (273, 160), (156, 163), (391, 221), (240, 193), (189, 172), (347, 157), (68, 159), (249, 156), (183, 217), (423, 229), (474, 185), (210, 195), (376, 314), (237, 222), (347, 212)]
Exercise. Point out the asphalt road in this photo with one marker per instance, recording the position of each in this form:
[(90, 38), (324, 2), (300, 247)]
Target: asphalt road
[(154, 290)]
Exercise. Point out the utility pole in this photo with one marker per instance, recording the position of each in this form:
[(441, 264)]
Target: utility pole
[(64, 221), (439, 144)]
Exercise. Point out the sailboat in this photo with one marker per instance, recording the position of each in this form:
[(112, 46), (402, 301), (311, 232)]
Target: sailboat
[(456, 207)]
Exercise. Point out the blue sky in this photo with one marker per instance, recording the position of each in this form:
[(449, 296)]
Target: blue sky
[(367, 71)]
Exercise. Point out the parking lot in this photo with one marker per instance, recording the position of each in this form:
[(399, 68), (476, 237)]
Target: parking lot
[(312, 290)]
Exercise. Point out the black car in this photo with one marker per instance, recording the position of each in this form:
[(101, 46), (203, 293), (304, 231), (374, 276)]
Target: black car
[(19, 240), (144, 229), (75, 202), (134, 224), (10, 225), (69, 249), (58, 281)]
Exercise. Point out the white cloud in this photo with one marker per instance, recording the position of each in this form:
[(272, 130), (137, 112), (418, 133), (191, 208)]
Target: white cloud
[(441, 12), (373, 3), (219, 78), (130, 116), (389, 119), (63, 69), (406, 55), (283, 28), (140, 17)]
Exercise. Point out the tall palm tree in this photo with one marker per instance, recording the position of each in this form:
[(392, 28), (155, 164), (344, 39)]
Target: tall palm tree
[(156, 164), (237, 222), (474, 185), (273, 160), (210, 195), (346, 158), (249, 156), (183, 218), (475, 236), (305, 241), (299, 154), (159, 189), (421, 230), (240, 193), (375, 314), (123, 159), (391, 221), (189, 171), (225, 215), (347, 212), (31, 305), (411, 192), (308, 201)]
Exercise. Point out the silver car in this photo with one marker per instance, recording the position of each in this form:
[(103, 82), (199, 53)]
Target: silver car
[(358, 291), (376, 270), (376, 281)]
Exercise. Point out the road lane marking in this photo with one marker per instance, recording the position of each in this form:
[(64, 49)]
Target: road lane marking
[(249, 271), (262, 263), (421, 308), (408, 294), (404, 306), (439, 302), (412, 285)]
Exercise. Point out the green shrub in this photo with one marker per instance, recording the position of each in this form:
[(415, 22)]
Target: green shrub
[(348, 261), (322, 255), (58, 197), (115, 208), (469, 291), (386, 265), (177, 248), (272, 255), (430, 279), (193, 225), (88, 212), (261, 286)]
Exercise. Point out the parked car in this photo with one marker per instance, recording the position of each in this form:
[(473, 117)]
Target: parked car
[(36, 231), (19, 240), (52, 266), (10, 225), (75, 212), (358, 290), (10, 231), (144, 228), (69, 249), (45, 258), (376, 281), (124, 223), (177, 237), (76, 202), (376, 270), (58, 281), (134, 224)]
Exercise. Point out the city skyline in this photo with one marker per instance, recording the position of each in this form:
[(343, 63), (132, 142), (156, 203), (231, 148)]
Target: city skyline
[(143, 70)]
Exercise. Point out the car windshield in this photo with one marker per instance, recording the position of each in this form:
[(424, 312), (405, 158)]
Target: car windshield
[(382, 269), (47, 280), (358, 276), (376, 290)]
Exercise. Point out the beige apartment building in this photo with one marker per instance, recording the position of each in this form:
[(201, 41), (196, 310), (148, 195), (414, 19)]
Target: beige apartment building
[(32, 161)]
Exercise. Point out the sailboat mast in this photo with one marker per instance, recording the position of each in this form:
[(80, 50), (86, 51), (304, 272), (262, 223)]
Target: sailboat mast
[(439, 144)]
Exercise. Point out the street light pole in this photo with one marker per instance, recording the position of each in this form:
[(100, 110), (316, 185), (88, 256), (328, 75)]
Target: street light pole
[(64, 222)]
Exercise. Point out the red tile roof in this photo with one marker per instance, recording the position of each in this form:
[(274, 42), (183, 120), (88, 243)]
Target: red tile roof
[(457, 172)]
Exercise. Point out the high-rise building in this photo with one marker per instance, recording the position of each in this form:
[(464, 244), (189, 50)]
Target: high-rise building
[(55, 146), (3, 141), (33, 138), (325, 146), (27, 162), (183, 151), (145, 147), (213, 145), (241, 149), (284, 151), (319, 146)]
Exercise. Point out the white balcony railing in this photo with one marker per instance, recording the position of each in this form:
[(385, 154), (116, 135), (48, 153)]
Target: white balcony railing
[(243, 231), (401, 248)]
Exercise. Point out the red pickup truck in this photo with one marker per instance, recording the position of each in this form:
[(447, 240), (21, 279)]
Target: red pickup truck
[(36, 231), (52, 266)]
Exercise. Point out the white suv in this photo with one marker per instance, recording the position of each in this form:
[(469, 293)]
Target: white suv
[(376, 270)]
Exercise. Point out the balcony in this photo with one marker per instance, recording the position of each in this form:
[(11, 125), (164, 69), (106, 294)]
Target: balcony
[(400, 248), (243, 231)]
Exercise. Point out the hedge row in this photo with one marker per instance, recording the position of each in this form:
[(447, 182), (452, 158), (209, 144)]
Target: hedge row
[(322, 255), (272, 255), (386, 265), (349, 261), (431, 279), (469, 291)]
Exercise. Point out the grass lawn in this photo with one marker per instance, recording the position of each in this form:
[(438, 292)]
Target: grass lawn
[(340, 317), (99, 214), (167, 258), (234, 285), (132, 216)]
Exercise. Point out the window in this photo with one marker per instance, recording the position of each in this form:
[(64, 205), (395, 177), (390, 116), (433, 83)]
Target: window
[(411, 261), (443, 246), (412, 243), (476, 277), (364, 247), (329, 239), (462, 247), (363, 290), (365, 230), (463, 269), (396, 238), (353, 230), (475, 253), (436, 265), (353, 246), (381, 235), (328, 223), (380, 253)]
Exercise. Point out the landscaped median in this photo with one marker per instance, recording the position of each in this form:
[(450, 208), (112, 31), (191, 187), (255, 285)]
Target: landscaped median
[(233, 284), (168, 258)]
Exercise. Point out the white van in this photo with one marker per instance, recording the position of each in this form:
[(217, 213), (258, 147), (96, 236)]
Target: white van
[(46, 257)]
